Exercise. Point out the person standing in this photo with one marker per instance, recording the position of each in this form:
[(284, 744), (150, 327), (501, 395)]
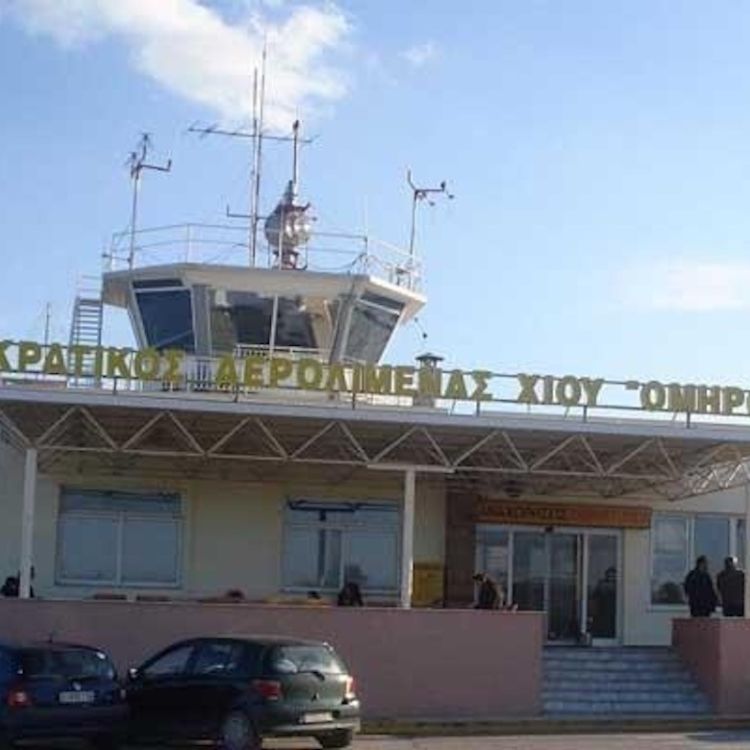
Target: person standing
[(731, 585), (488, 596), (700, 590)]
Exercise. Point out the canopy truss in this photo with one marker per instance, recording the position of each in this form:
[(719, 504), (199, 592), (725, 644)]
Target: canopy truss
[(180, 439)]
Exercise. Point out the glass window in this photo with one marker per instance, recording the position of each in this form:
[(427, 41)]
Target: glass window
[(670, 559), (119, 539), (88, 548), (172, 662), (711, 538), (218, 657), (369, 332), (70, 663), (492, 554), (328, 545), (294, 659), (740, 543), (7, 665), (167, 318), (529, 569)]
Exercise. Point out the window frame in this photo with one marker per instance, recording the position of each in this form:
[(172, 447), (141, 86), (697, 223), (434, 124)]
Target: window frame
[(690, 518), (121, 517), (343, 527)]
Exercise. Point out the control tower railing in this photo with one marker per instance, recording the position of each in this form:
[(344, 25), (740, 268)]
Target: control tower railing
[(225, 244)]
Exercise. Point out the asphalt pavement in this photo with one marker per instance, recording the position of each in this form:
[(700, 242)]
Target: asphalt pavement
[(718, 740)]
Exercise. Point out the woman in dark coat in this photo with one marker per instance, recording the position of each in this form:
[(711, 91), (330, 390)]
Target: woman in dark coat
[(700, 590)]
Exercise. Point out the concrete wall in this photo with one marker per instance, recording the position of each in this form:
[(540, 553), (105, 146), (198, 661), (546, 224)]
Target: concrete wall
[(717, 651), (408, 664), (232, 531)]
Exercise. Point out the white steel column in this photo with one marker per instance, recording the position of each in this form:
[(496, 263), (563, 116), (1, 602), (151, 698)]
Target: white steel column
[(746, 562), (27, 523), (407, 538)]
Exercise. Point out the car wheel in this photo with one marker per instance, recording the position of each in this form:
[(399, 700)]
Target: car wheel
[(238, 733), (339, 738)]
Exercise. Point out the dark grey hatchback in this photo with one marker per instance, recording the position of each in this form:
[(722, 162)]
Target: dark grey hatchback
[(235, 690)]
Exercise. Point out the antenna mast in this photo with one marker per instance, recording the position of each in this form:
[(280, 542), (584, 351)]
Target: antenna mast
[(137, 164), (257, 136), (422, 194)]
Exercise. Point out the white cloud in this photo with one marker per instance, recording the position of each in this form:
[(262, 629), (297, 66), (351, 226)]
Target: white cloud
[(419, 55), (193, 51), (689, 286)]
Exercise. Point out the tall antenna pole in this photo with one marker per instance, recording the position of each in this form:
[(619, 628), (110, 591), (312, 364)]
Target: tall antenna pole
[(138, 163), (47, 321), (421, 194), (258, 145), (295, 160)]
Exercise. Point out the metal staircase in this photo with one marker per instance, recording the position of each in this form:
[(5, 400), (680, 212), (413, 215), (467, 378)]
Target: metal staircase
[(86, 327)]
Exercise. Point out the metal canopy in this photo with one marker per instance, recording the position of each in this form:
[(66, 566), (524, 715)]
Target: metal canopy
[(95, 433)]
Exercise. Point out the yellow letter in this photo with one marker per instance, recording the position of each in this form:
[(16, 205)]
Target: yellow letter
[(254, 367), (117, 364), (379, 379), (528, 394), (54, 361), (336, 380), (173, 360), (4, 363), (709, 399), (281, 369), (309, 374), (456, 388), (733, 398), (653, 396), (591, 389), (226, 373), (29, 353), (404, 381), (681, 398), (568, 391), (147, 364), (481, 378), (430, 382), (76, 354)]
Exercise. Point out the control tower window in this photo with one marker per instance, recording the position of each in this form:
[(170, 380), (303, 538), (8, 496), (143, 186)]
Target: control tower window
[(167, 317), (244, 318), (370, 330)]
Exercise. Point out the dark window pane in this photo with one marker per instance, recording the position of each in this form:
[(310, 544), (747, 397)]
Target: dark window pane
[(155, 283), (167, 319), (670, 561), (173, 662), (377, 299), (7, 665), (71, 663), (711, 538), (369, 333), (294, 326), (218, 658), (293, 659)]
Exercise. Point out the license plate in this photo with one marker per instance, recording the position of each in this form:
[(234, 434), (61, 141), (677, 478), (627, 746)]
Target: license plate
[(77, 696), (316, 718)]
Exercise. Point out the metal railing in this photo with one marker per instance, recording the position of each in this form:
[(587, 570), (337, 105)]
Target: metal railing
[(225, 244)]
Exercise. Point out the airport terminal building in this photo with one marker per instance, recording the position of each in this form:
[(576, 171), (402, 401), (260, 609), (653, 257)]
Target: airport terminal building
[(253, 448)]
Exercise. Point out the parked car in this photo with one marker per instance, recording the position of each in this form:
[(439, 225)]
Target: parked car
[(56, 690), (237, 690)]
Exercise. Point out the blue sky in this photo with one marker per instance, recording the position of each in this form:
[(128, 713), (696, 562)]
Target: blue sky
[(599, 153)]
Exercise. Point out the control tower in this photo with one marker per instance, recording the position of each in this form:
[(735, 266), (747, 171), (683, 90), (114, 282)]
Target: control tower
[(305, 293)]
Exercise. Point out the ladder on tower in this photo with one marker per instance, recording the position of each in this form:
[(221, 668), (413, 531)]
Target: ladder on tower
[(86, 328)]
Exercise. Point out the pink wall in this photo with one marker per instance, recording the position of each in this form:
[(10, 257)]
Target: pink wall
[(717, 652), (408, 664)]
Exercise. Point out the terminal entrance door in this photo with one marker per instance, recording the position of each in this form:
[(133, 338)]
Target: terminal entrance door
[(570, 575)]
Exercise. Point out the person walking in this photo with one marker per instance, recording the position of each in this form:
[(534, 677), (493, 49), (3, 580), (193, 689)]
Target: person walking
[(700, 590), (731, 585)]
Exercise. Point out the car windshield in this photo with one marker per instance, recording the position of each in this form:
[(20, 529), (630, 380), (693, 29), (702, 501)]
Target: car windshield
[(294, 659), (70, 663)]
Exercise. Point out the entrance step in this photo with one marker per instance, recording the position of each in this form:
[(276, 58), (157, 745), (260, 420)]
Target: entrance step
[(619, 681)]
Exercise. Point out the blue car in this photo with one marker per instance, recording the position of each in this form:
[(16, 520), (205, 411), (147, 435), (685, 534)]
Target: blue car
[(64, 691)]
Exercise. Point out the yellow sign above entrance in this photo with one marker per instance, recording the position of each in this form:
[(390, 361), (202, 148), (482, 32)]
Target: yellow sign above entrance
[(259, 372)]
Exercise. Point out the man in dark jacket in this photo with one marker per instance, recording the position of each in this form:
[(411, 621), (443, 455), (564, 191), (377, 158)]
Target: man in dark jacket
[(731, 585), (488, 596), (700, 590)]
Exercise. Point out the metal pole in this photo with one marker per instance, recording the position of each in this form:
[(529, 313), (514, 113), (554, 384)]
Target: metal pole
[(134, 216), (413, 226), (274, 318), (407, 539), (27, 523), (746, 561)]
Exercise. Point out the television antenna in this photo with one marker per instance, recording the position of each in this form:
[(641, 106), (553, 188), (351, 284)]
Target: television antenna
[(420, 194), (137, 163), (256, 136)]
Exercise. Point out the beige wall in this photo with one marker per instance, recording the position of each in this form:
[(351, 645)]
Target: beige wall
[(232, 531)]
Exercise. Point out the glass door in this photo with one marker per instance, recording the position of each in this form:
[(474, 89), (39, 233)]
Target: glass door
[(602, 565), (564, 586)]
